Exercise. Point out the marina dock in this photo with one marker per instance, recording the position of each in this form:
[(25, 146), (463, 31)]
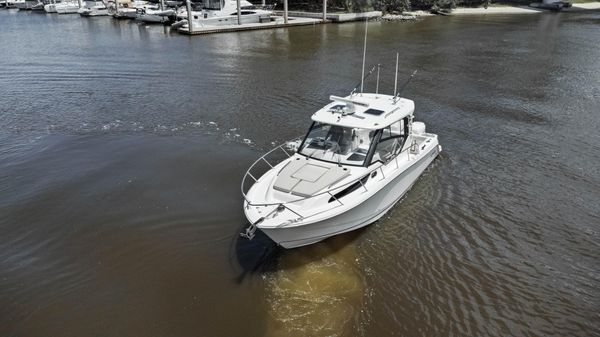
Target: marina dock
[(295, 18), (278, 22), (334, 17)]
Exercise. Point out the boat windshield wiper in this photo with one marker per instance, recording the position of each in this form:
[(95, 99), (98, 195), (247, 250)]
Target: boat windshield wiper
[(339, 155)]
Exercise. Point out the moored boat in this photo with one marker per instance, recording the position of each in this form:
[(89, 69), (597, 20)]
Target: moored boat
[(13, 3), (26, 4), (50, 8), (154, 14), (68, 7), (39, 7), (126, 9), (223, 13), (93, 8)]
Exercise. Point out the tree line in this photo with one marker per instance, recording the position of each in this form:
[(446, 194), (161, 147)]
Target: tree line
[(390, 6)]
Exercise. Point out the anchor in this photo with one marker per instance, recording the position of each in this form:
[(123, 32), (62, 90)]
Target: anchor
[(250, 231)]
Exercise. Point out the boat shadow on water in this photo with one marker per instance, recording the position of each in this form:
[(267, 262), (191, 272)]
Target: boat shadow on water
[(257, 255), (262, 255)]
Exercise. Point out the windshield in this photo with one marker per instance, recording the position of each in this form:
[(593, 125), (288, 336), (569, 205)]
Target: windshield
[(337, 144)]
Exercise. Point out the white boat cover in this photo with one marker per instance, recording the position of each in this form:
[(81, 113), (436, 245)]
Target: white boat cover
[(305, 179)]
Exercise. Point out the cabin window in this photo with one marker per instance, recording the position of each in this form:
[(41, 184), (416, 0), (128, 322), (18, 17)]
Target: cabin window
[(212, 4), (390, 143), (242, 13), (337, 144)]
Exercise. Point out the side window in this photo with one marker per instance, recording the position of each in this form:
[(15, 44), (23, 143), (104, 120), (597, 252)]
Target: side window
[(389, 144), (397, 128)]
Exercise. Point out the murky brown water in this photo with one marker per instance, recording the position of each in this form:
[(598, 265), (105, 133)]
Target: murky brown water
[(122, 147)]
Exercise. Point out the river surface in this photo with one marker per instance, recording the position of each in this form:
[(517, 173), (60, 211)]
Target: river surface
[(122, 147)]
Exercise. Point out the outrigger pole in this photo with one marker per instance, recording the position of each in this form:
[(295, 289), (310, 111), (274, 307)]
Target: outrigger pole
[(404, 85), (364, 56), (396, 79)]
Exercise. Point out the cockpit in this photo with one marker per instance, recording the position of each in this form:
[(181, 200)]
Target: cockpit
[(353, 146)]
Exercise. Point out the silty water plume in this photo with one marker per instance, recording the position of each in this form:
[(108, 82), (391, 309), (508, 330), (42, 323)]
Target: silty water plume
[(317, 290)]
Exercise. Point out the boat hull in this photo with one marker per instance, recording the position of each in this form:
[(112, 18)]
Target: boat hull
[(362, 215), (152, 18), (50, 8), (27, 5), (67, 9), (125, 14), (93, 12)]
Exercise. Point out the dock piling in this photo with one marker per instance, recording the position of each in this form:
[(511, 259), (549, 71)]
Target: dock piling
[(188, 5)]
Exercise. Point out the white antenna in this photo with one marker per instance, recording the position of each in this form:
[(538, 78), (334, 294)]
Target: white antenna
[(364, 56), (396, 79)]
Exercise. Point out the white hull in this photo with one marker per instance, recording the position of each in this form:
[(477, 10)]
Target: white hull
[(125, 13), (27, 5), (362, 215), (39, 7), (152, 18), (93, 12), (14, 3), (155, 15), (67, 9), (50, 8)]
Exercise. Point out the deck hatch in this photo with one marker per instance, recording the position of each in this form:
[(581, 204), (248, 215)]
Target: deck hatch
[(374, 112)]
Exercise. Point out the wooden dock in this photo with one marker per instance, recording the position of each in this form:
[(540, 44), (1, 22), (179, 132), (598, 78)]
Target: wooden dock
[(277, 22), (335, 17)]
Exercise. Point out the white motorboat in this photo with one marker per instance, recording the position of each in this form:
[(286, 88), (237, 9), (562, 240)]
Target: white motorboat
[(222, 13), (126, 9), (13, 3), (93, 8), (39, 7), (154, 14), (25, 5), (68, 7), (50, 7), (361, 154)]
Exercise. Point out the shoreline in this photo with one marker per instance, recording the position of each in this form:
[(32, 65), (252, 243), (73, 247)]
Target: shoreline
[(577, 7)]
